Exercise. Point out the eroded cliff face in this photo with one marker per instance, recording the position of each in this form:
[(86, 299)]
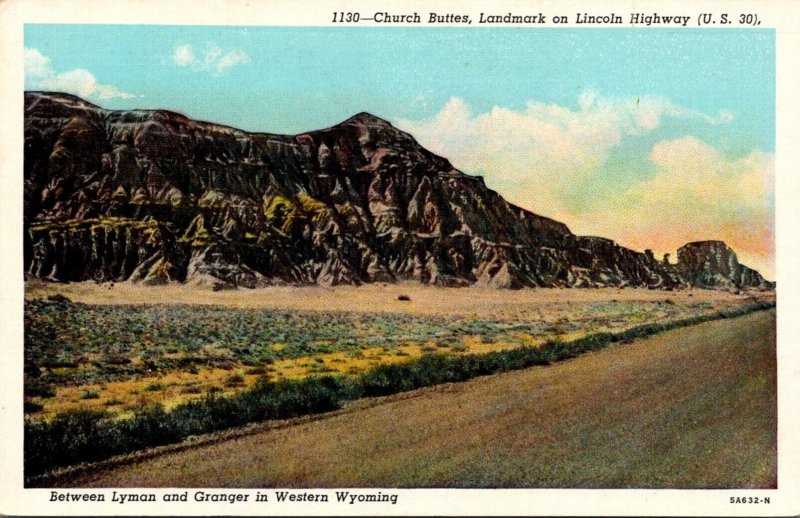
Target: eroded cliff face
[(712, 264), (153, 196)]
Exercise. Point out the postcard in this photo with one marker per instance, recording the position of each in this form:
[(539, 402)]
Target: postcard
[(419, 258)]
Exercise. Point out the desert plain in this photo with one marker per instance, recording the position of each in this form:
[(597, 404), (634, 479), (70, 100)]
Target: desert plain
[(690, 407)]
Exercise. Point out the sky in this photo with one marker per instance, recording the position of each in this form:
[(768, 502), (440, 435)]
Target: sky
[(651, 137)]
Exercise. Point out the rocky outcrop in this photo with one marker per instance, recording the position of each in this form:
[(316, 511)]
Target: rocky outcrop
[(153, 197), (712, 264)]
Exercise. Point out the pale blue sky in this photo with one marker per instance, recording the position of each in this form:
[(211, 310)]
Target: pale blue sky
[(301, 78), (577, 124)]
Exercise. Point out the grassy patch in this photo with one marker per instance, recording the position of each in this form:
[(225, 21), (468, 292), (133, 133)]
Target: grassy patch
[(75, 343)]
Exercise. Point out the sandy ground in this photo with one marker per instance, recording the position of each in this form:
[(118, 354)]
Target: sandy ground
[(370, 298), (692, 407)]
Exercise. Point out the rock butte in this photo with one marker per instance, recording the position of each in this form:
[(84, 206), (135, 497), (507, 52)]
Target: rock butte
[(156, 197)]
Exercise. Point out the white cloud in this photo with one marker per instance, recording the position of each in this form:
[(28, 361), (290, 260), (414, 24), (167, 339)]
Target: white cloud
[(183, 55), (544, 156), (39, 74), (537, 155), (84, 84), (213, 58), (697, 193), (229, 60), (36, 64)]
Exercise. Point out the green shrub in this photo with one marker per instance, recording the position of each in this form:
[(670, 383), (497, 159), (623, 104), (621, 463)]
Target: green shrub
[(69, 438), (37, 388)]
